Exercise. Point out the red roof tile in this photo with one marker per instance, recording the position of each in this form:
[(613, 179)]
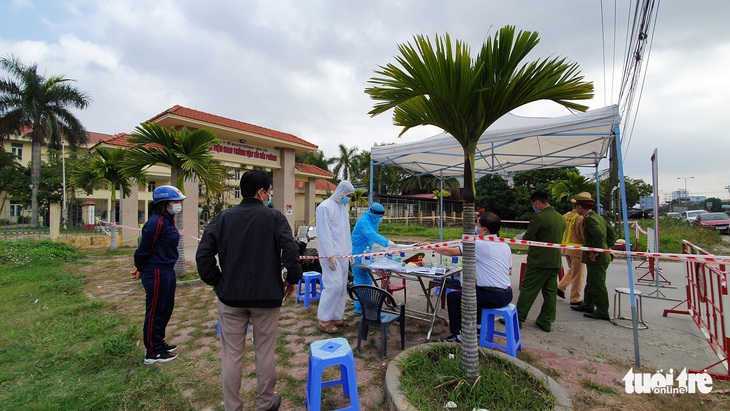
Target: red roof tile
[(324, 185), (120, 140), (311, 169), (96, 137), (235, 124)]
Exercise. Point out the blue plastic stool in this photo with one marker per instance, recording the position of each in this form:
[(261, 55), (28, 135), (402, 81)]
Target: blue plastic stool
[(511, 334), (329, 353), (310, 279)]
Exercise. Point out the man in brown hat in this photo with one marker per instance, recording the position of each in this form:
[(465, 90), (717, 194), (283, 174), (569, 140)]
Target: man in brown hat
[(573, 235), (597, 233)]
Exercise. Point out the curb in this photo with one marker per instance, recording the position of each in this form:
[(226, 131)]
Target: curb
[(396, 399)]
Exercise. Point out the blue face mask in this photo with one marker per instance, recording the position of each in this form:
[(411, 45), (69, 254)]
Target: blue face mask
[(535, 209), (345, 200), (476, 230)]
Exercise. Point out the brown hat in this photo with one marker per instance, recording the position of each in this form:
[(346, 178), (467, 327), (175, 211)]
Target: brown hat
[(584, 197)]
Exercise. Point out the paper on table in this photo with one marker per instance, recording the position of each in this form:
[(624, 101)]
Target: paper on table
[(426, 270)]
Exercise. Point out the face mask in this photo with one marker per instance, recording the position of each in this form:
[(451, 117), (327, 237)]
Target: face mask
[(267, 203), (535, 209), (175, 208), (345, 200), (476, 230)]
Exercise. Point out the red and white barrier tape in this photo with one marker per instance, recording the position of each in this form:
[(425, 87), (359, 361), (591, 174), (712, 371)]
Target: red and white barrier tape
[(454, 243), (182, 232)]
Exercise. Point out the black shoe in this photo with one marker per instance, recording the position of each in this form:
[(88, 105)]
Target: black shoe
[(546, 329), (451, 339), (561, 293), (168, 347), (277, 403), (164, 357), (577, 303), (595, 316)]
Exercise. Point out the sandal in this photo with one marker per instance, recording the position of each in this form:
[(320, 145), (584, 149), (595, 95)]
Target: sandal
[(341, 323), (328, 328)]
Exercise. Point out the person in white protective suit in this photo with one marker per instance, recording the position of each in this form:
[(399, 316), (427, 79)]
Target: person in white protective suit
[(334, 245), (364, 235)]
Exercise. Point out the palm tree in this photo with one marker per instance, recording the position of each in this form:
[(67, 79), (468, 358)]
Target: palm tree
[(419, 184), (573, 184), (344, 162), (188, 155), (29, 101), (315, 158), (441, 85), (104, 167)]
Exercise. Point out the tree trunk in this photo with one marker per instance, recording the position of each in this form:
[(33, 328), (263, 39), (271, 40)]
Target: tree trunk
[(35, 173), (175, 178), (470, 354), (113, 218)]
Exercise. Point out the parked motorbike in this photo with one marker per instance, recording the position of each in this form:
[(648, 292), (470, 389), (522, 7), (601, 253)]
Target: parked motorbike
[(304, 236)]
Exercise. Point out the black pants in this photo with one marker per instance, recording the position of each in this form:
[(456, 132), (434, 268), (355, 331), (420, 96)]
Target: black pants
[(159, 285), (486, 298)]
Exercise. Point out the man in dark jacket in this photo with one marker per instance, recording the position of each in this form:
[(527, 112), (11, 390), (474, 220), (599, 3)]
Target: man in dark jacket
[(597, 233), (543, 264), (252, 242)]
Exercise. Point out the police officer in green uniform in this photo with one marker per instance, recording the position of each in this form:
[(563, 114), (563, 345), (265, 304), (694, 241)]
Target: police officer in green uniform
[(543, 264), (597, 233)]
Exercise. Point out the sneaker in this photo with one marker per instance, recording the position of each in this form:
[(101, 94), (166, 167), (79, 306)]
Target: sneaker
[(451, 339), (164, 357), (168, 347)]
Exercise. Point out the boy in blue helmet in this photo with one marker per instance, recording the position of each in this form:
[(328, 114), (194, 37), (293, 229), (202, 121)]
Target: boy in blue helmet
[(364, 235)]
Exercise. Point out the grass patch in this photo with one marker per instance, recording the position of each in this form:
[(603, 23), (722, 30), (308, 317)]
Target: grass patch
[(432, 233), (594, 386), (59, 350), (431, 379)]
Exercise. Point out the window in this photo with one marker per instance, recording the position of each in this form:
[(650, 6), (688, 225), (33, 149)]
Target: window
[(237, 193), (15, 210), (237, 175), (17, 150), (151, 186)]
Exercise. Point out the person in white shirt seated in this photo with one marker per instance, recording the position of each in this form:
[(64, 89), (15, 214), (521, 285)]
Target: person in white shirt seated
[(494, 267)]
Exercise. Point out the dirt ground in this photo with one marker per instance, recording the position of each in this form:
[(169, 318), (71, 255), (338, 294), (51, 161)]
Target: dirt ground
[(589, 358)]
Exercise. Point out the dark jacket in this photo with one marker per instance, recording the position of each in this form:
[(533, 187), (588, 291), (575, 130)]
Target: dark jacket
[(546, 226), (251, 241), (158, 244), (597, 233)]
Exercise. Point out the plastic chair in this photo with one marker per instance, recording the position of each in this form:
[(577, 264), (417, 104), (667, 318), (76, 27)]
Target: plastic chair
[(331, 353), (386, 283), (512, 329), (371, 300)]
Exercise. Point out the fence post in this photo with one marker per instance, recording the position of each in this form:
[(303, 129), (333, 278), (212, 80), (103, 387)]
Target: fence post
[(54, 220)]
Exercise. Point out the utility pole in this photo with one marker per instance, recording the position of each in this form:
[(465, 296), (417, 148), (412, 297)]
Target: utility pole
[(685, 190)]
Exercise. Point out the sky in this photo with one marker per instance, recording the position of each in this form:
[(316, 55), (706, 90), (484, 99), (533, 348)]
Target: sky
[(301, 66)]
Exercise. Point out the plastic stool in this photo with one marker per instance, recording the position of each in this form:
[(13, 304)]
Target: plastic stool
[(511, 334), (310, 293), (329, 353), (641, 325)]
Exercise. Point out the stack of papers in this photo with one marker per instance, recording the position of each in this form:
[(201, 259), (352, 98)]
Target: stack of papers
[(426, 270)]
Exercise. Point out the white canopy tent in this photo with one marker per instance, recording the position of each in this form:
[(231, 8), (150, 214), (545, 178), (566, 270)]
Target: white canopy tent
[(513, 143), (516, 143)]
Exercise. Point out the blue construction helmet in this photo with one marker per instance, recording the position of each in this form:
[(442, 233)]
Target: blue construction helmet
[(377, 208), (167, 193)]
